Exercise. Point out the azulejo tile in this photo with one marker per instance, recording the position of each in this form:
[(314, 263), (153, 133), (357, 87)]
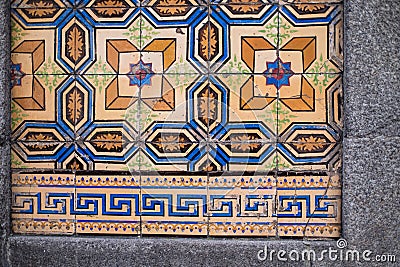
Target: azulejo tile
[(315, 98), (242, 205), (241, 49), (43, 203), (189, 117), (311, 38), (34, 42), (34, 99), (115, 39), (174, 204), (107, 204), (309, 205)]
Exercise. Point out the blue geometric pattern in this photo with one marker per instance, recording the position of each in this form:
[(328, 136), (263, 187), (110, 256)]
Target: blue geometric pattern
[(278, 73), (176, 117)]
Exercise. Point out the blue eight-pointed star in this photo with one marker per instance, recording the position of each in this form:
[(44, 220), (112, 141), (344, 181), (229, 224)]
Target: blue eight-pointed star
[(140, 74), (278, 73)]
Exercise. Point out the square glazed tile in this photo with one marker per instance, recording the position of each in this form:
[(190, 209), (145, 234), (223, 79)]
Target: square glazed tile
[(311, 98), (251, 41), (309, 205), (242, 205), (108, 103), (107, 204), (246, 136), (34, 99), (250, 105), (174, 204), (114, 39), (34, 42), (174, 119), (311, 37), (43, 203), (45, 103), (164, 43)]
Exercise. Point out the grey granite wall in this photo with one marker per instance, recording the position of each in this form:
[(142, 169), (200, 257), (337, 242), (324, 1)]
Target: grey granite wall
[(371, 177)]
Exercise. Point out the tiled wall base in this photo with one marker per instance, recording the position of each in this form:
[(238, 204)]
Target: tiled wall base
[(189, 117), (177, 205)]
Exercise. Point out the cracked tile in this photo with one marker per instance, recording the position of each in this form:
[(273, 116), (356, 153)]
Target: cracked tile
[(204, 118)]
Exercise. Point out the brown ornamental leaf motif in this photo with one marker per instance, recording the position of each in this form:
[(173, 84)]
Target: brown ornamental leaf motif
[(170, 143), (310, 143), (208, 168), (172, 7), (310, 7), (41, 9), (75, 43), (74, 106), (208, 42), (207, 106), (110, 7), (246, 146), (39, 137), (74, 165), (245, 6), (40, 140), (108, 141)]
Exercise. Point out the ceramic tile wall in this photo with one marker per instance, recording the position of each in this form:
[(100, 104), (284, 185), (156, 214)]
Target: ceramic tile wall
[(177, 117)]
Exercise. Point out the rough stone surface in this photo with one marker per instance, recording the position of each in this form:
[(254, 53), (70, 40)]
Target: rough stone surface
[(149, 251), (4, 199), (4, 71), (372, 68), (4, 128), (370, 178), (371, 193)]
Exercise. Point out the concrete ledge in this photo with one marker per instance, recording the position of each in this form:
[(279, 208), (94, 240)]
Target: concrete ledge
[(111, 251)]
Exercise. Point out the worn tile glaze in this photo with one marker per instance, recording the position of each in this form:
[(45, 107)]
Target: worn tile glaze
[(177, 117)]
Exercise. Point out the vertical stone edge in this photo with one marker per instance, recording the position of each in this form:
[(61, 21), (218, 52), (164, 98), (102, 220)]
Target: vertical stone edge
[(5, 116), (371, 139)]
